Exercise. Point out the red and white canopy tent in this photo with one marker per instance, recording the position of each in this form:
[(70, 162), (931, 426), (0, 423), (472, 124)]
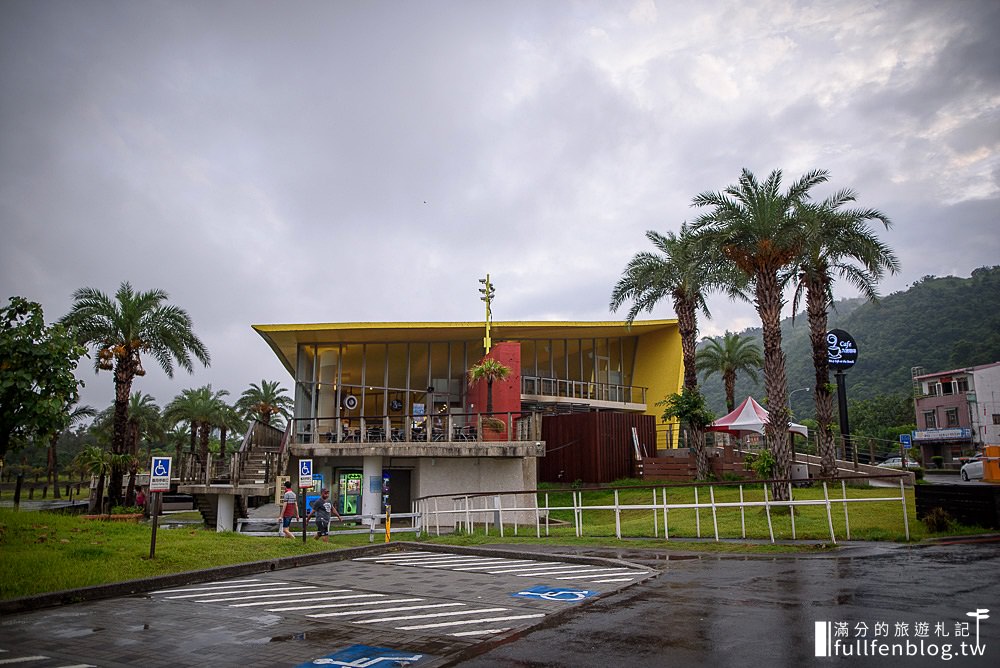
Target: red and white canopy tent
[(749, 416)]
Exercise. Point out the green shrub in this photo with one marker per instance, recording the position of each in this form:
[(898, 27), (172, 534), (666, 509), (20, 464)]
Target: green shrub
[(938, 520), (762, 462)]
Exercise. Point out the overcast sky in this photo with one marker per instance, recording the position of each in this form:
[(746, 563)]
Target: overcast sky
[(282, 162)]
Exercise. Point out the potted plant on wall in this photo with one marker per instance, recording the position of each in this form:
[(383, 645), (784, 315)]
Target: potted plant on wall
[(489, 370)]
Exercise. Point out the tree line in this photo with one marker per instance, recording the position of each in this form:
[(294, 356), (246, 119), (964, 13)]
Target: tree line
[(39, 391), (938, 323)]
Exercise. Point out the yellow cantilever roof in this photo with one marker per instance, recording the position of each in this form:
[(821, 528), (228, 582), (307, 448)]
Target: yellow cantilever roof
[(284, 339)]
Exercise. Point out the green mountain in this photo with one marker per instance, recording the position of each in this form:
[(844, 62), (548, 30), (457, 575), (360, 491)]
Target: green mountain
[(938, 324)]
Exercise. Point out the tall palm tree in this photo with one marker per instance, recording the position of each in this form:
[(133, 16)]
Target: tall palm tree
[(754, 225), (729, 356), (121, 330), (839, 244), (489, 370), (684, 272), (75, 415), (265, 402)]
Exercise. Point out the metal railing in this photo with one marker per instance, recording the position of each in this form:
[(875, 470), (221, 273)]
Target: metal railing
[(465, 512), (415, 428), (373, 525), (582, 390)]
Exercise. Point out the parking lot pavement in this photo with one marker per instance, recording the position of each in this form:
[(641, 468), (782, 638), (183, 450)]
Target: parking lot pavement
[(425, 604)]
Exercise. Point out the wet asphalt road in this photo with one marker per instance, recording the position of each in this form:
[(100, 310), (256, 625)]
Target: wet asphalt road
[(712, 611)]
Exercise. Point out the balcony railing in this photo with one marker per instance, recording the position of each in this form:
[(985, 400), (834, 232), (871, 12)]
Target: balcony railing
[(582, 390), (414, 428)]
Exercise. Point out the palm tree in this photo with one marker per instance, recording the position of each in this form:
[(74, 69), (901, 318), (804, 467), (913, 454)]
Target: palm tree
[(489, 370), (265, 401), (144, 422), (755, 227), (202, 409), (839, 243), (683, 271), (728, 356), (120, 331), (73, 417), (96, 461), (228, 419)]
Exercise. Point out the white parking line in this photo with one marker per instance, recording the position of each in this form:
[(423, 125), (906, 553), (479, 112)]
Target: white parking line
[(240, 591), (535, 569), (281, 595), (22, 659), (392, 557), (483, 632), (237, 583), (583, 572), (304, 600), (381, 601), (588, 577), (344, 613), (507, 562), (430, 615), (604, 581), (465, 622)]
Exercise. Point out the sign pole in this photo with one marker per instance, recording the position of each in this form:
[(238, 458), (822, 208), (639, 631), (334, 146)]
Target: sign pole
[(305, 482), (159, 482), (157, 500)]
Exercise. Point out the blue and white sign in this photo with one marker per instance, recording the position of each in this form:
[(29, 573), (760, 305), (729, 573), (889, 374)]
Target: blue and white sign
[(305, 473), (363, 656), (565, 594), (905, 440), (159, 474)]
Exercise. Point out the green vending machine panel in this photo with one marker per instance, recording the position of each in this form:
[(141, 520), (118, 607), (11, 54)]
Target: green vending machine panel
[(350, 492)]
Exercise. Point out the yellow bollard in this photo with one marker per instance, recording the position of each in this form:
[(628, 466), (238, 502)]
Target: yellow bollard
[(388, 520)]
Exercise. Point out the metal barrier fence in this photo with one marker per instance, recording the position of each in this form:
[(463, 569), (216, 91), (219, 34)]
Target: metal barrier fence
[(466, 514), (373, 525)]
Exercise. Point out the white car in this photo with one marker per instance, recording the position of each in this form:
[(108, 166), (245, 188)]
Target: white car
[(973, 469), (897, 463)]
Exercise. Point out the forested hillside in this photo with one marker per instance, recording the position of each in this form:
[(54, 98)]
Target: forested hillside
[(937, 324)]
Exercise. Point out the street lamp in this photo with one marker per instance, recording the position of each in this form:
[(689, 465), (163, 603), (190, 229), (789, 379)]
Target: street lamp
[(792, 393)]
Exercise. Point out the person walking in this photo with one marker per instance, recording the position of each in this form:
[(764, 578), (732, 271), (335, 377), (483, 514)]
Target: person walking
[(322, 508), (289, 509)]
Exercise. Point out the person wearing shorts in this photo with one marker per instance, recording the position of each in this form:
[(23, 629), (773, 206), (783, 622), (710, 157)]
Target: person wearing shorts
[(322, 507), (289, 510)]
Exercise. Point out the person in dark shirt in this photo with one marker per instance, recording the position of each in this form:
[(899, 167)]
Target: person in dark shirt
[(321, 508)]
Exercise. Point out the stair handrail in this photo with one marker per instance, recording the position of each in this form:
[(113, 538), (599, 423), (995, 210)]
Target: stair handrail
[(241, 454)]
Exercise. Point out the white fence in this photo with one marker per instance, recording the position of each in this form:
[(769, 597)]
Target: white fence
[(467, 511)]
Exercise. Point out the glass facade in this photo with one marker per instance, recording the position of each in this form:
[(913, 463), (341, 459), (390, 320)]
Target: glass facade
[(342, 387)]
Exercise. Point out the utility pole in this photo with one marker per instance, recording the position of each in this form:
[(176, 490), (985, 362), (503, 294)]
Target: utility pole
[(488, 293)]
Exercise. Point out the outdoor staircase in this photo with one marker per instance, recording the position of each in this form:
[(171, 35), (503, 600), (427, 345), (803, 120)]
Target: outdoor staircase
[(254, 468), (208, 507), (255, 465)]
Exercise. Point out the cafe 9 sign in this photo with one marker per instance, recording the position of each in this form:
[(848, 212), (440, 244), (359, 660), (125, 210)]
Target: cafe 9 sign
[(841, 350)]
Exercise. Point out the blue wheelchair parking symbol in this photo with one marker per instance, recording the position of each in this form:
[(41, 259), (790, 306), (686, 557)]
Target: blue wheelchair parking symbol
[(160, 466), (566, 594), (363, 656)]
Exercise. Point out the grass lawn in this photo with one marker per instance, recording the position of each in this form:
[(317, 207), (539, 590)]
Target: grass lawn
[(42, 551)]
